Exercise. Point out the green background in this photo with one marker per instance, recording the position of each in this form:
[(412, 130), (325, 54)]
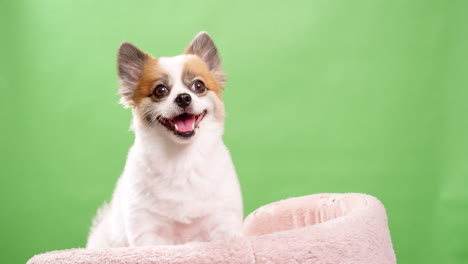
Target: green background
[(323, 96)]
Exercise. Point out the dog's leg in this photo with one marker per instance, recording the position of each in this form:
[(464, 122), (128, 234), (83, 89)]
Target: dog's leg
[(225, 226), (144, 229)]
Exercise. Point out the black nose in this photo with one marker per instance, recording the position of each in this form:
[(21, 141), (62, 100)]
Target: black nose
[(183, 100)]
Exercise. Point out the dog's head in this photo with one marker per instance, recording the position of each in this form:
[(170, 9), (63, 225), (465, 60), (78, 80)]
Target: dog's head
[(176, 96)]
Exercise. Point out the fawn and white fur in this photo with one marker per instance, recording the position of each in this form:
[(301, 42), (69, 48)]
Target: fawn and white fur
[(179, 184)]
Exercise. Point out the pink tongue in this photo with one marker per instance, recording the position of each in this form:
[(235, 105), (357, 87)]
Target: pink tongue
[(184, 123)]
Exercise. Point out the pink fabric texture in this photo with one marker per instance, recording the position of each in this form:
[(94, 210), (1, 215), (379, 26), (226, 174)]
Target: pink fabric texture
[(315, 229)]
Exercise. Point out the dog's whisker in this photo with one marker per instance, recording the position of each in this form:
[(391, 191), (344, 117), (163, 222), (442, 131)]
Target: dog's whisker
[(153, 119), (149, 111)]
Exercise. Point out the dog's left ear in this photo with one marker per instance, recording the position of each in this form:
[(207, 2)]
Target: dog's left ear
[(130, 64), (203, 46)]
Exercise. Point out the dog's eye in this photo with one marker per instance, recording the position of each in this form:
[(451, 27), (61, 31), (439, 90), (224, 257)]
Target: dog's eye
[(198, 86), (160, 91)]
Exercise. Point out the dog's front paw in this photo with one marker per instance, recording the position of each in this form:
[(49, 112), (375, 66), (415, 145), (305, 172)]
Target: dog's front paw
[(225, 235), (147, 239)]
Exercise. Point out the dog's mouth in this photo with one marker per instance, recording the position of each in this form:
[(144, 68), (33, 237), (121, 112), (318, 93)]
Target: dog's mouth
[(183, 125)]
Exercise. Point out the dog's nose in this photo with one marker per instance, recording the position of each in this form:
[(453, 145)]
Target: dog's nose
[(183, 100)]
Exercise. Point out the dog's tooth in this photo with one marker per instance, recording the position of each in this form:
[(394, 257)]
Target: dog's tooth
[(193, 125), (176, 127)]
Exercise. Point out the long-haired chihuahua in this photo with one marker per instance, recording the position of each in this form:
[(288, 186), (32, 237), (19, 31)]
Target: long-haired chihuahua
[(179, 184)]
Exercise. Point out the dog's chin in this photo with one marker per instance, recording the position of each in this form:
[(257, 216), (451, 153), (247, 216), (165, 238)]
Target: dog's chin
[(183, 127)]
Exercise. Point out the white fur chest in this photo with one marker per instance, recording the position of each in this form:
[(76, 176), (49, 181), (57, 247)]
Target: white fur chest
[(179, 185)]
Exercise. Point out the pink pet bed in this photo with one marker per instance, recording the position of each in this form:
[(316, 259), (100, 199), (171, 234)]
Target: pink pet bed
[(316, 229)]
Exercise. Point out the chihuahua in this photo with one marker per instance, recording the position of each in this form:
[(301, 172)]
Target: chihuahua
[(179, 184)]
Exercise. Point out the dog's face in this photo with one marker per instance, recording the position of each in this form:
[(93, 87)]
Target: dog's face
[(177, 95)]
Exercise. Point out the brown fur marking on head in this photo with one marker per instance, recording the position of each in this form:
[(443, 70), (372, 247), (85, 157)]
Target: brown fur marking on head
[(195, 68), (150, 76)]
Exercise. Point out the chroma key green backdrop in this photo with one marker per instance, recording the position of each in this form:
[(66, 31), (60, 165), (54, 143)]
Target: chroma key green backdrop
[(323, 96)]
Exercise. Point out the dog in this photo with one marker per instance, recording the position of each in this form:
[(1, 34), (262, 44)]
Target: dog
[(179, 183)]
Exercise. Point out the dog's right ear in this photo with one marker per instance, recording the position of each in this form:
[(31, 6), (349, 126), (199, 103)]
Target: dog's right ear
[(130, 64), (203, 46)]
